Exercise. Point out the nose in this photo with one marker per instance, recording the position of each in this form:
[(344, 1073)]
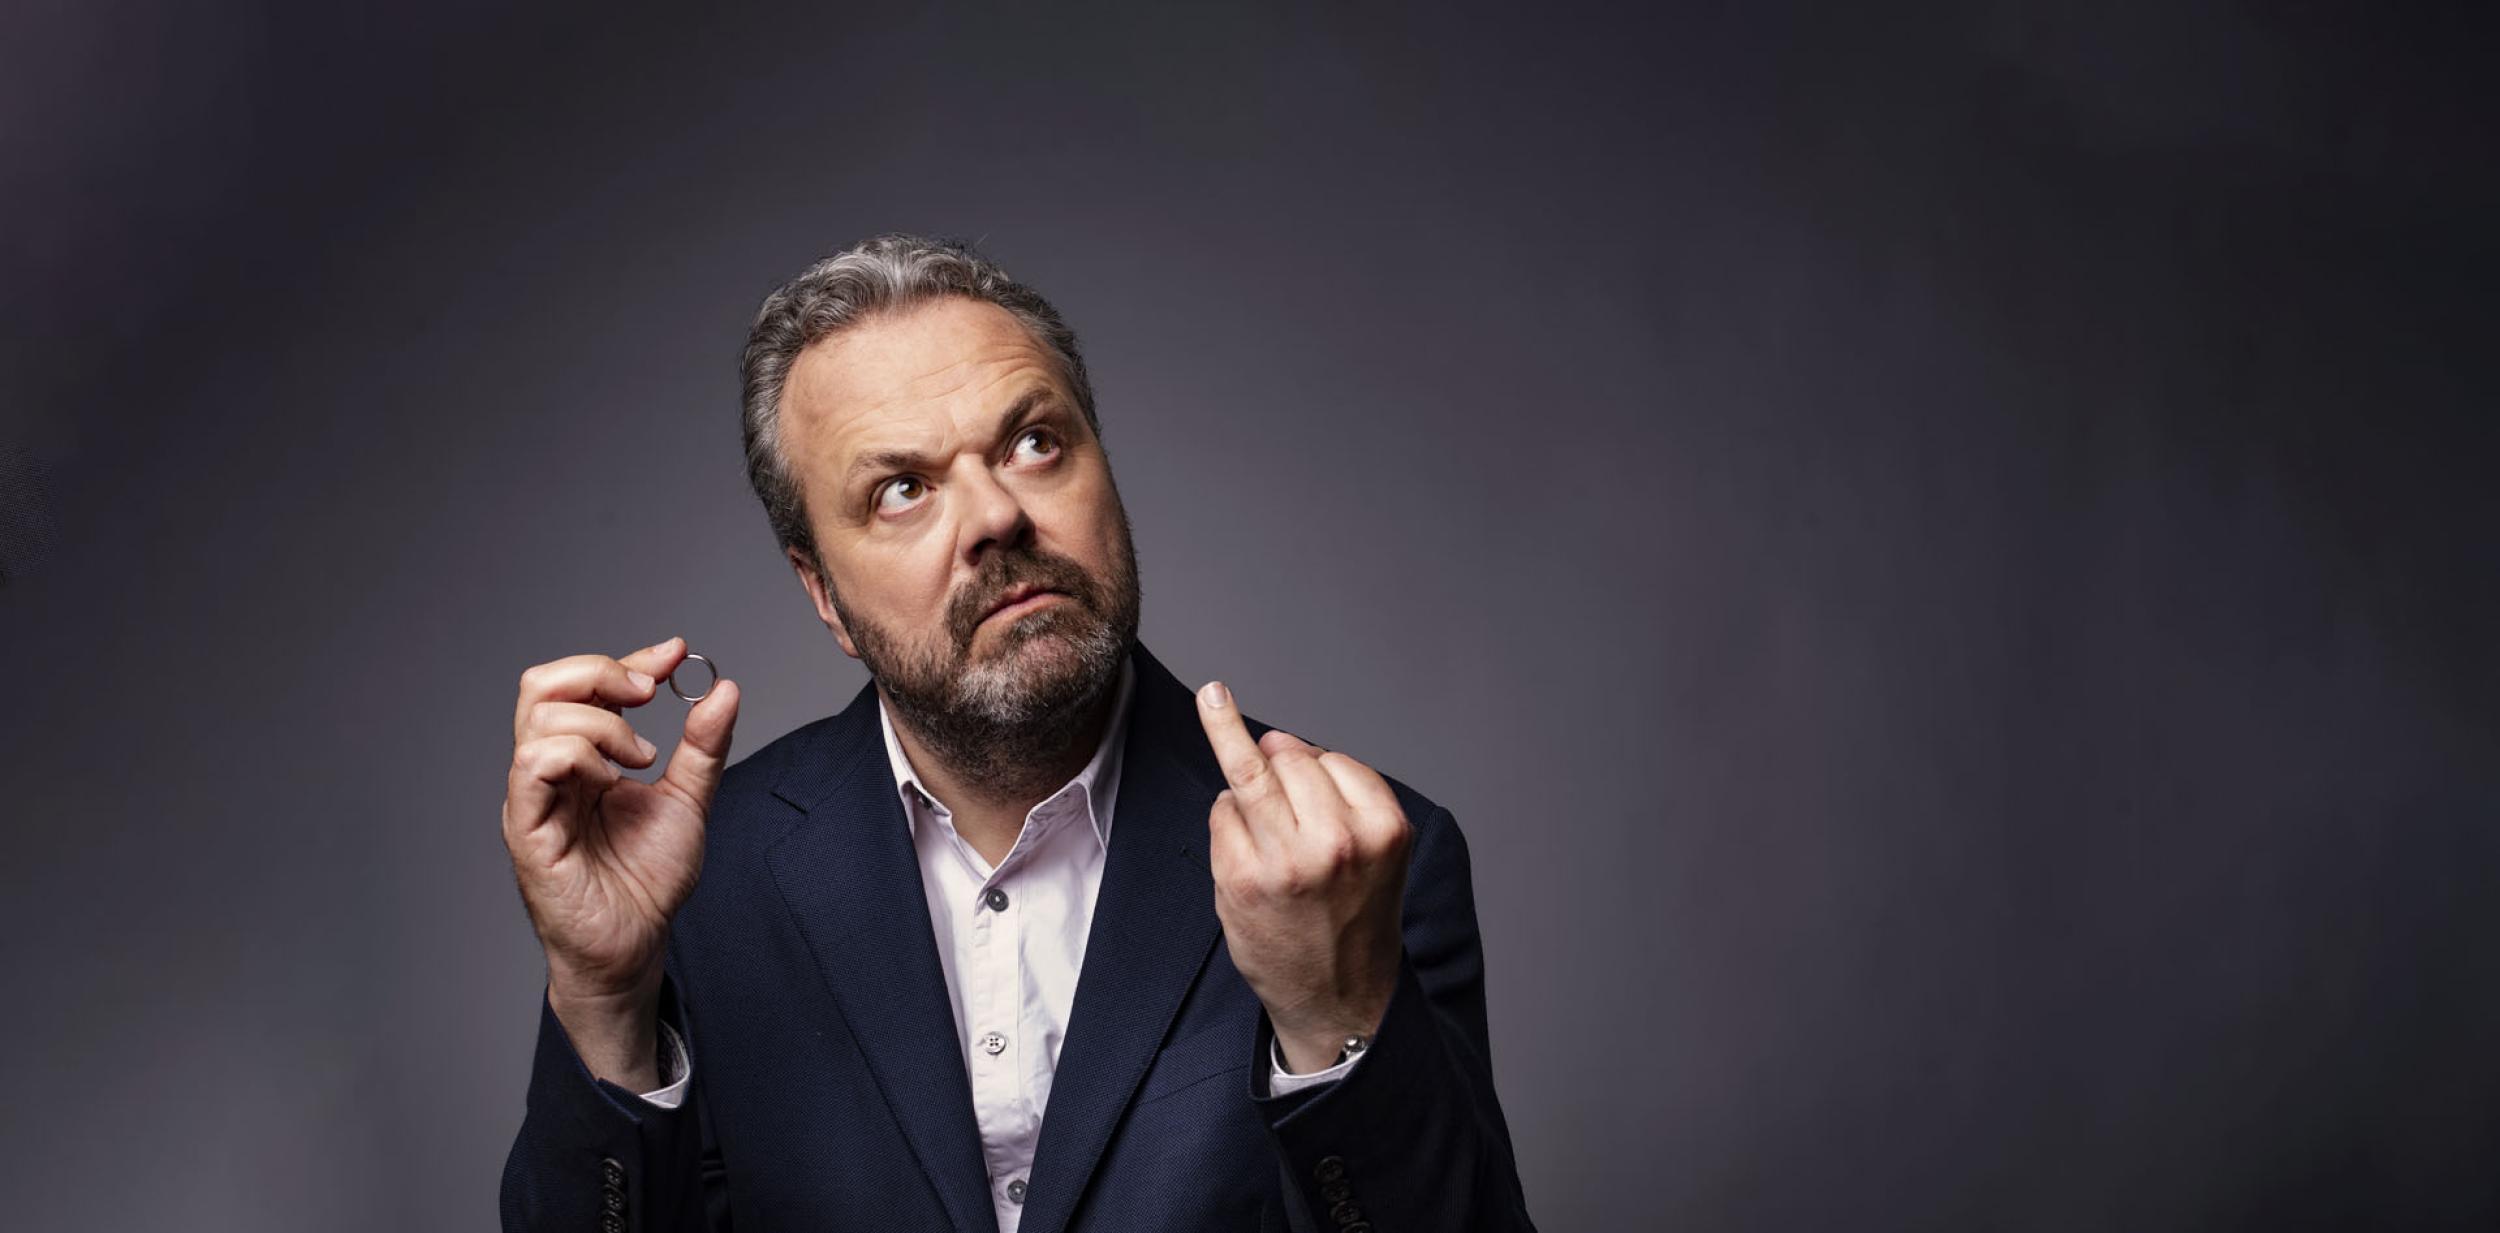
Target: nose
[(992, 516)]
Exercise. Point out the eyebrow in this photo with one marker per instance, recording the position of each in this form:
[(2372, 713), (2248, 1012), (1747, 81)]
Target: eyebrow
[(879, 461)]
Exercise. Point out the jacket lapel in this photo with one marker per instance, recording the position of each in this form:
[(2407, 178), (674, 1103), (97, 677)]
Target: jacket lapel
[(848, 874), (1154, 927)]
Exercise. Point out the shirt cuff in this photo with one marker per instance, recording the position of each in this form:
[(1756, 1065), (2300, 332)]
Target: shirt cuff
[(674, 1065), (1282, 1082)]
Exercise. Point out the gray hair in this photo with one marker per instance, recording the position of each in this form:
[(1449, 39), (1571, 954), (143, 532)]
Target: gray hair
[(876, 277)]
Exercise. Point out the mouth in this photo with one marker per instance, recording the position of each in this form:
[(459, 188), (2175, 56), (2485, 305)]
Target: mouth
[(1020, 600)]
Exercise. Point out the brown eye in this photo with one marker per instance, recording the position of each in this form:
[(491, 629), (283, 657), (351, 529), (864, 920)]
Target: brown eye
[(1043, 433), (895, 485)]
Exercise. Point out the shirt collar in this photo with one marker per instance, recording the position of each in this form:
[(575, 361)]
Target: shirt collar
[(1099, 781)]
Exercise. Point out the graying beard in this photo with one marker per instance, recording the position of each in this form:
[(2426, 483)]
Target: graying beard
[(996, 738)]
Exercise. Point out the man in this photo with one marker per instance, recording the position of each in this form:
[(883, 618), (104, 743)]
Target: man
[(839, 984)]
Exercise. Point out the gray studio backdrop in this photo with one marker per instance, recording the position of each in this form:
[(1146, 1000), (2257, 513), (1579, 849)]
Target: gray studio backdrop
[(1943, 559)]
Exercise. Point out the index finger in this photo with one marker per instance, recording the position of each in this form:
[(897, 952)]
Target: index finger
[(597, 679), (658, 660)]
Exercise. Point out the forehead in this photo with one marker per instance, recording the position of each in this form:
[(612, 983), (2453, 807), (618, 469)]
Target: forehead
[(908, 375)]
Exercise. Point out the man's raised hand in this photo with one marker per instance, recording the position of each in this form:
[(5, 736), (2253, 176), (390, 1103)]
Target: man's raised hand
[(603, 860), (1309, 855)]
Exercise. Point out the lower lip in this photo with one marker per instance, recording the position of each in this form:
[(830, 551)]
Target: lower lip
[(1027, 604)]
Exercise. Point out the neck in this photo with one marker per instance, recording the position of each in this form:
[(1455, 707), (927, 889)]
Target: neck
[(990, 777)]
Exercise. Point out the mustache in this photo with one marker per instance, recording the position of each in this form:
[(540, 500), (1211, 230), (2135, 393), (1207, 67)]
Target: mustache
[(1044, 572)]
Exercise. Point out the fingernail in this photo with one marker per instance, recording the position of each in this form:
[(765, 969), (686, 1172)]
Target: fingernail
[(644, 744), (1216, 695), (641, 680)]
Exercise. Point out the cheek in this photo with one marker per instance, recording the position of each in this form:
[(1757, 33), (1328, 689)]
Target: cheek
[(1097, 508), (908, 583), (1094, 540), (931, 589)]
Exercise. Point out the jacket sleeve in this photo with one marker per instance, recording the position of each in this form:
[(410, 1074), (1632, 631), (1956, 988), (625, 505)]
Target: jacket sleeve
[(592, 1155), (1412, 1137)]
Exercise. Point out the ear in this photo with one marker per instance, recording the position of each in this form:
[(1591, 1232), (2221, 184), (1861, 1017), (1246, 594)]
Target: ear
[(823, 599)]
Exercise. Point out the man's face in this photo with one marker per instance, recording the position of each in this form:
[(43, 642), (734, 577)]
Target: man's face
[(945, 465)]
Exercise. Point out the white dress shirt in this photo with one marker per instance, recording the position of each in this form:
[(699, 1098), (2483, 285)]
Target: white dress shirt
[(1011, 942)]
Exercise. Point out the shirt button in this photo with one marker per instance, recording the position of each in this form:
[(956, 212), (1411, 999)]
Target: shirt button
[(996, 899), (993, 1044), (1015, 1190)]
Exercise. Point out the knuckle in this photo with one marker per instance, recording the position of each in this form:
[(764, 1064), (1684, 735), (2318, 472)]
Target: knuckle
[(1340, 849), (565, 752), (1236, 884), (1252, 879), (1381, 844), (536, 759), (1289, 880), (1345, 760)]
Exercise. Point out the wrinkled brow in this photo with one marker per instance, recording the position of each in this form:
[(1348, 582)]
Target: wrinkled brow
[(879, 461)]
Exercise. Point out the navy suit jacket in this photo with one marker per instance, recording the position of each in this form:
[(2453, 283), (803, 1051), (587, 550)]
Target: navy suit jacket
[(829, 1089)]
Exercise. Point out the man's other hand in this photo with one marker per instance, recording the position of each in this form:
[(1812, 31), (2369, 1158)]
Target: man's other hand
[(1309, 854)]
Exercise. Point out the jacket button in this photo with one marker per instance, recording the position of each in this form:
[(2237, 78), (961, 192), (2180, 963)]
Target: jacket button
[(611, 1172), (611, 1223), (1345, 1213), (612, 1199), (1330, 1168), (1336, 1191)]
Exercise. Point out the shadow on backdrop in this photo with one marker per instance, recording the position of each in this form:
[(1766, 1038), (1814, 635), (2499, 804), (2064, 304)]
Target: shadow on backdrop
[(1942, 558)]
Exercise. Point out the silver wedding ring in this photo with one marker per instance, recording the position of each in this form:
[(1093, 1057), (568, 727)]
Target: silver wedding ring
[(707, 690)]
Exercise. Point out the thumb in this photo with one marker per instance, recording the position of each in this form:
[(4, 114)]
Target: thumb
[(694, 768)]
